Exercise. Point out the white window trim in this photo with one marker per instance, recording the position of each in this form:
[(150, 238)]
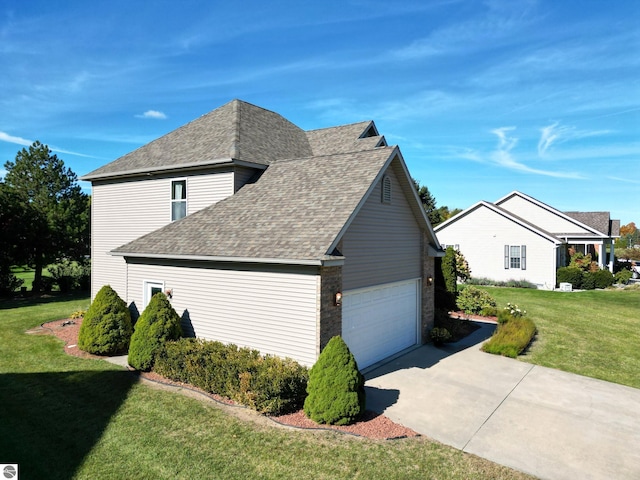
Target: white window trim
[(507, 257), (172, 201), (147, 285)]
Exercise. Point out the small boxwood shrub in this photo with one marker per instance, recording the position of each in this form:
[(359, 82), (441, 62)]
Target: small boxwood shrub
[(512, 335), (335, 392), (106, 328), (572, 275), (158, 323), (602, 278), (270, 385), (623, 276), (439, 335), (473, 300)]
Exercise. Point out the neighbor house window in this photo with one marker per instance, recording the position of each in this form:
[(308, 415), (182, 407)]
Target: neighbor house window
[(178, 199), (386, 189), (515, 257)]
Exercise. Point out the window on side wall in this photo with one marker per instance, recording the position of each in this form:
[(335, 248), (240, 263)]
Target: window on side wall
[(178, 199), (515, 257)]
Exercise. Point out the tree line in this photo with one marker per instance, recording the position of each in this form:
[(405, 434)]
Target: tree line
[(44, 214)]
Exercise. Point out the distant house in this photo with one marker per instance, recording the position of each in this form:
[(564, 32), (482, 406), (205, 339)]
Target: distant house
[(269, 236), (521, 238)]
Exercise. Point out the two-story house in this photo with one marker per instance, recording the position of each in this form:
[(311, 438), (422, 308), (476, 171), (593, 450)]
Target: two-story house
[(269, 236)]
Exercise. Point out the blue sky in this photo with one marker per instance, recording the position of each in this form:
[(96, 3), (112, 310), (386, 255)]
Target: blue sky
[(482, 97)]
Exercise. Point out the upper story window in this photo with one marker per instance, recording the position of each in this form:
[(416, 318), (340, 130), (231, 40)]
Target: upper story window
[(386, 189), (178, 199)]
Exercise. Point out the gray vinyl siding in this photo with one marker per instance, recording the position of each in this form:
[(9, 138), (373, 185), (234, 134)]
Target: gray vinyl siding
[(125, 210), (205, 190), (383, 243), (272, 311), (243, 175)]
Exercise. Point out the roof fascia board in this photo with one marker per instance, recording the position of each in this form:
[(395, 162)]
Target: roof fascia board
[(176, 168), (325, 262), (551, 209)]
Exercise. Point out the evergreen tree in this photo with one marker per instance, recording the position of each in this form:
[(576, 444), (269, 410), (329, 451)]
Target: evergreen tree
[(59, 211), (335, 391)]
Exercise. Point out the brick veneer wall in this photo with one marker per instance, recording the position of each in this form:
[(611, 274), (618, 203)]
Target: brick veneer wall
[(428, 271), (330, 315)]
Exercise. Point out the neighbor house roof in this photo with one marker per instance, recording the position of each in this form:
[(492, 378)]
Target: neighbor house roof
[(601, 221), (597, 223), (294, 213)]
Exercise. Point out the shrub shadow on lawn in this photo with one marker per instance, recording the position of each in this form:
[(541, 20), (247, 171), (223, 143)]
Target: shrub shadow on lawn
[(49, 422)]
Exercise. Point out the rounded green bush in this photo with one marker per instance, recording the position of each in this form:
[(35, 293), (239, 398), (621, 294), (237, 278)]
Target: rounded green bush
[(106, 328), (603, 278), (335, 391), (439, 335), (158, 323), (473, 300), (572, 275)]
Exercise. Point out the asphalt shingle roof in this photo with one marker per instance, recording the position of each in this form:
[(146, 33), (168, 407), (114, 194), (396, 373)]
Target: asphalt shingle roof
[(601, 221), (235, 131), (295, 211)]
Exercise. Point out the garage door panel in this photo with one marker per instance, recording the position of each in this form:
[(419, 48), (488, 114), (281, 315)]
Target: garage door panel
[(380, 321)]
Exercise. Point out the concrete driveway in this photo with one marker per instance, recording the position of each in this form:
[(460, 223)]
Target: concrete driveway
[(541, 421)]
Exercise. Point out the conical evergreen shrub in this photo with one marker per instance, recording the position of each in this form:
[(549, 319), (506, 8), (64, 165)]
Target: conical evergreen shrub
[(106, 328), (158, 323), (335, 391)]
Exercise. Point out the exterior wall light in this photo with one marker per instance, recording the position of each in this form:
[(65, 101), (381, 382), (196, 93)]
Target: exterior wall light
[(169, 292), (429, 281), (338, 299)]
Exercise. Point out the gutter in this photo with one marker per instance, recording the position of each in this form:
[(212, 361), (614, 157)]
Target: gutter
[(327, 261)]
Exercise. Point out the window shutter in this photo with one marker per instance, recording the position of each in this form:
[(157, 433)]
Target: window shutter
[(506, 257), (523, 257)]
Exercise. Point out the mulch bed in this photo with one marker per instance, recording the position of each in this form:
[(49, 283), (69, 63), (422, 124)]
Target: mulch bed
[(371, 425)]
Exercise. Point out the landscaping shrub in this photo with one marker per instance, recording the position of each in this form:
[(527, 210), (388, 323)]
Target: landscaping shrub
[(335, 392), (489, 311), (70, 275), (572, 275), (623, 276), (268, 384), (439, 335), (158, 323), (602, 278), (9, 283), (511, 337), (106, 328), (443, 299), (588, 281), (472, 300), (498, 283), (449, 271)]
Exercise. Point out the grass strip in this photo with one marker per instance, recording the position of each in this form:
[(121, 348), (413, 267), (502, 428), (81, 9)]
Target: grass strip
[(511, 337)]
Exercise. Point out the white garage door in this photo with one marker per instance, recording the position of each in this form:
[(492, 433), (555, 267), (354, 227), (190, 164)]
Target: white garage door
[(380, 321)]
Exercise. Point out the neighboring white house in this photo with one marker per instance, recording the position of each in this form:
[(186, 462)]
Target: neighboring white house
[(268, 236), (521, 238)]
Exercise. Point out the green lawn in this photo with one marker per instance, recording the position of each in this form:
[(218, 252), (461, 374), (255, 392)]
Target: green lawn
[(63, 417), (593, 333)]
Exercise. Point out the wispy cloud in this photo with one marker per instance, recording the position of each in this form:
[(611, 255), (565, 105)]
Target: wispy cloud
[(625, 180), (155, 114), (556, 133), (504, 156), (5, 137)]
